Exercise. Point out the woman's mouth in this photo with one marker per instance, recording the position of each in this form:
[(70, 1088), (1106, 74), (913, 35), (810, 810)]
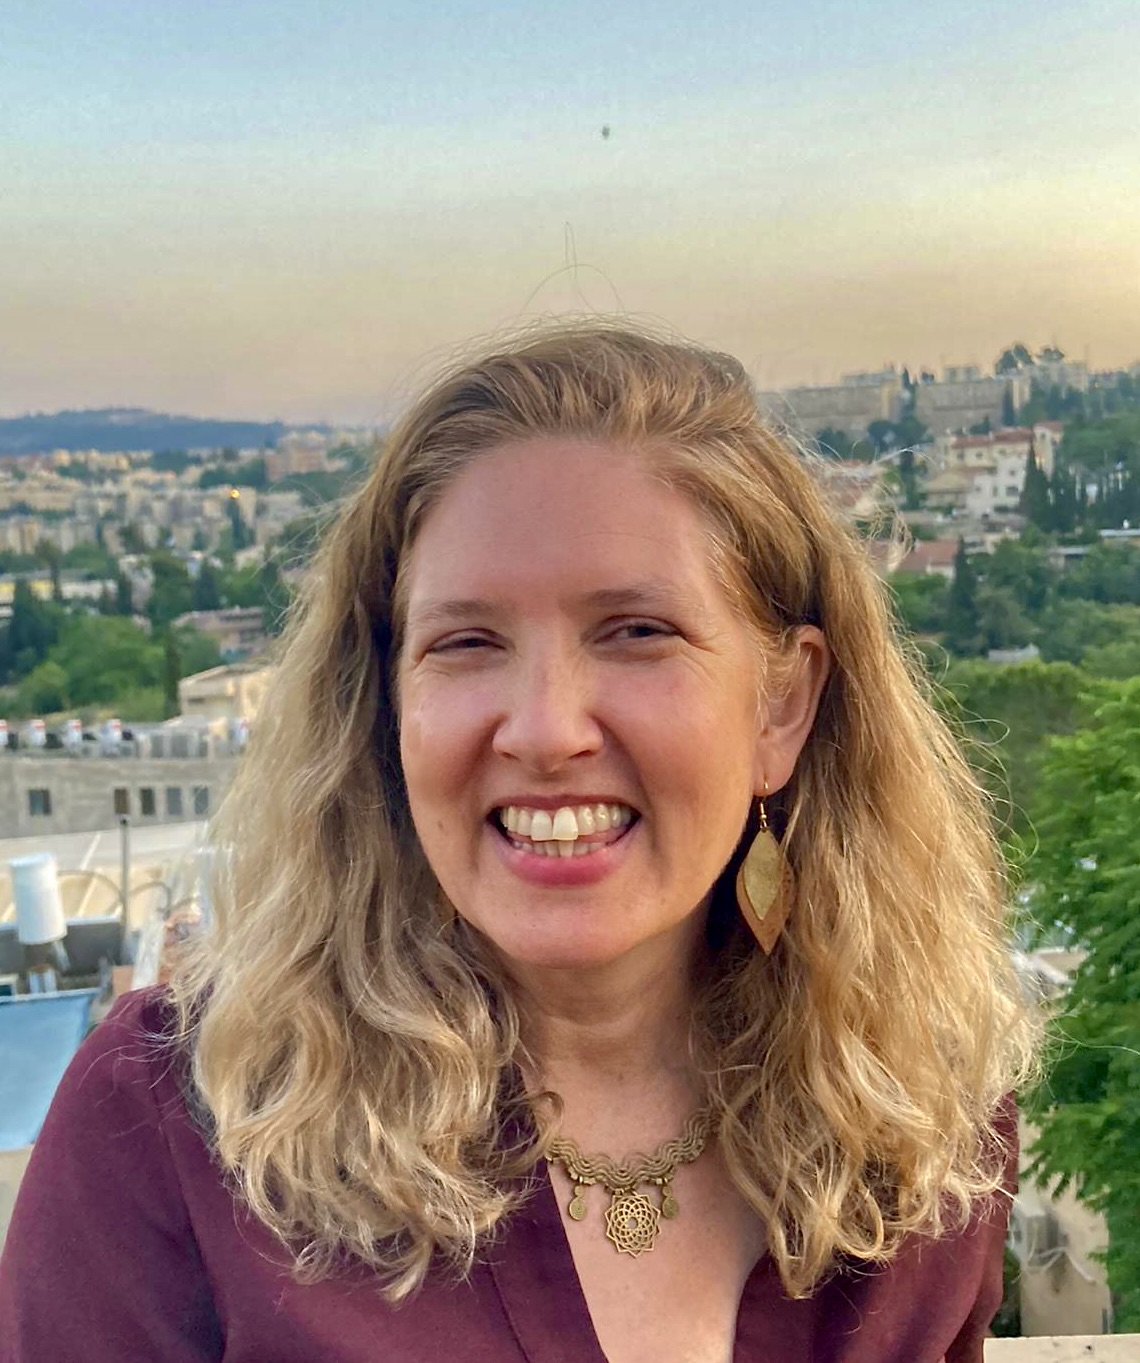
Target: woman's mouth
[(569, 831)]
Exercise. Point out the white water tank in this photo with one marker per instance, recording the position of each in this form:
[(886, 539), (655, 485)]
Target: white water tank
[(35, 889)]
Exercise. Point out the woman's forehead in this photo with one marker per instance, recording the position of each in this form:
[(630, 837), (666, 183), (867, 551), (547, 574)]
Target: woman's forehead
[(578, 517)]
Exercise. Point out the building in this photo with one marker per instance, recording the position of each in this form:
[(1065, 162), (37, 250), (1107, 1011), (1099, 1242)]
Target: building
[(956, 405), (60, 791), (930, 558), (233, 692), (858, 489), (297, 452), (238, 631), (1006, 443), (849, 406)]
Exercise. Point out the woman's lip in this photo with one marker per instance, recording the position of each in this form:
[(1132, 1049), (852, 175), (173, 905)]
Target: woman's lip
[(551, 803), (539, 869)]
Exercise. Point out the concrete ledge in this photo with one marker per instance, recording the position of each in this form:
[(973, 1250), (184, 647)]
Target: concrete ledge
[(1065, 1349)]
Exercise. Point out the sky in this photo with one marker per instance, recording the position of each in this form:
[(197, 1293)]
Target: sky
[(299, 209)]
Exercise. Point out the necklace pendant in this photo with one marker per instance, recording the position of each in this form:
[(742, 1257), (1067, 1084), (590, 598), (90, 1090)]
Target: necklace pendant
[(632, 1222), (577, 1207), (669, 1206)]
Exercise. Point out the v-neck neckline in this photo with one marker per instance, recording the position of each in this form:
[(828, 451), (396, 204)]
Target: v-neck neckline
[(537, 1281)]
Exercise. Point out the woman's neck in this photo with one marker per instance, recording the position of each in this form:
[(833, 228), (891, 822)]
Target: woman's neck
[(613, 1043)]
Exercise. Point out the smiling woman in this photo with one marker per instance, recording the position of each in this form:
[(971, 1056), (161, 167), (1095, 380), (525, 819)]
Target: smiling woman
[(597, 809)]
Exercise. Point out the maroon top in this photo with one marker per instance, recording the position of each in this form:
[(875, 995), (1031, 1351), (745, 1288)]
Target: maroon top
[(126, 1247)]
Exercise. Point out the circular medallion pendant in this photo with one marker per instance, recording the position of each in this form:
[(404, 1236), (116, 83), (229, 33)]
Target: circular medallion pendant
[(632, 1223)]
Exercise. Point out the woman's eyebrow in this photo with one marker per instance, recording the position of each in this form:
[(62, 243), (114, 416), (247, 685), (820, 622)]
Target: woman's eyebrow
[(430, 614), (649, 596)]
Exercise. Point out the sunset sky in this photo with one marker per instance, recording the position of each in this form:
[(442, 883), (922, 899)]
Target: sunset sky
[(296, 209)]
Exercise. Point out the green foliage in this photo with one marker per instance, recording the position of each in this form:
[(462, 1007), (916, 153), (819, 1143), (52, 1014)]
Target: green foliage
[(108, 662), (298, 542), (1006, 716), (1070, 629), (1087, 873), (124, 603), (171, 671), (921, 600), (322, 486), (44, 691), (252, 473), (172, 461), (1007, 1323), (33, 628), (1013, 358), (836, 444), (1034, 503), (260, 586), (92, 560), (206, 588), (963, 628), (196, 652), (1108, 573), (12, 562), (171, 594)]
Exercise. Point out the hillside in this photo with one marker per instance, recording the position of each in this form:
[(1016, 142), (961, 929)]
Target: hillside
[(129, 428)]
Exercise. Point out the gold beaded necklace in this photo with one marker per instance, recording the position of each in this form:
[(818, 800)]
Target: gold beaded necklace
[(632, 1220)]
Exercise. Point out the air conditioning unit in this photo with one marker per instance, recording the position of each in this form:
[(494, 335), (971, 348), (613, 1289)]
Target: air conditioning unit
[(1035, 1234)]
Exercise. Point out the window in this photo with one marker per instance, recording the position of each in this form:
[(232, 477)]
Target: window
[(146, 802), (122, 798), (201, 801), (174, 802), (39, 802)]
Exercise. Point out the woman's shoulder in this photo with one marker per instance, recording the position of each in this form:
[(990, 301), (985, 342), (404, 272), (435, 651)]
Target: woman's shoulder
[(130, 1070)]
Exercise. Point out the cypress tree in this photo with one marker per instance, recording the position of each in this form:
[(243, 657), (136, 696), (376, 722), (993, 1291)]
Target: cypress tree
[(963, 630)]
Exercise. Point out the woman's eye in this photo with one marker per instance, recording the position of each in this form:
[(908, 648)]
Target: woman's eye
[(634, 630), (461, 643)]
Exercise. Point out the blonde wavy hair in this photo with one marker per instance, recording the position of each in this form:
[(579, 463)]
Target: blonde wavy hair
[(354, 1043)]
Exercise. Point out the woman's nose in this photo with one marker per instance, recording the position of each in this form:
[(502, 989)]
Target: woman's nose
[(549, 716)]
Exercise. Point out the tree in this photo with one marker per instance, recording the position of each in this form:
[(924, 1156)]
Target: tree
[(836, 444), (1108, 573), (44, 691), (49, 555), (908, 480), (130, 536), (1008, 411), (1001, 620), (1007, 716), (910, 431), (104, 657), (170, 595), (881, 434), (921, 600), (206, 588), (171, 673), (1023, 569), (963, 631), (1086, 876), (1013, 359), (241, 535), (33, 628), (124, 605), (1034, 501), (197, 652), (92, 560)]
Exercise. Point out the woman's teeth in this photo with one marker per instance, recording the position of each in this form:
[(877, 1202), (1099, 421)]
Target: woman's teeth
[(559, 832)]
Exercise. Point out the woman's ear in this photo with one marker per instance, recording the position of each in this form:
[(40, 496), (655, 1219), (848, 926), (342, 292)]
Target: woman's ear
[(787, 717)]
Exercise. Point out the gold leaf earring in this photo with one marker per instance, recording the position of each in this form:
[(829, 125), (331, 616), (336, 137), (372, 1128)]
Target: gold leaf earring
[(764, 887)]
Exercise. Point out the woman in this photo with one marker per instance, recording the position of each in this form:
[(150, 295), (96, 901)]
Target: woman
[(597, 809)]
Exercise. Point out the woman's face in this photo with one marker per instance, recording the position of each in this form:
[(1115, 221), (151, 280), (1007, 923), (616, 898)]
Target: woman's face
[(580, 707)]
